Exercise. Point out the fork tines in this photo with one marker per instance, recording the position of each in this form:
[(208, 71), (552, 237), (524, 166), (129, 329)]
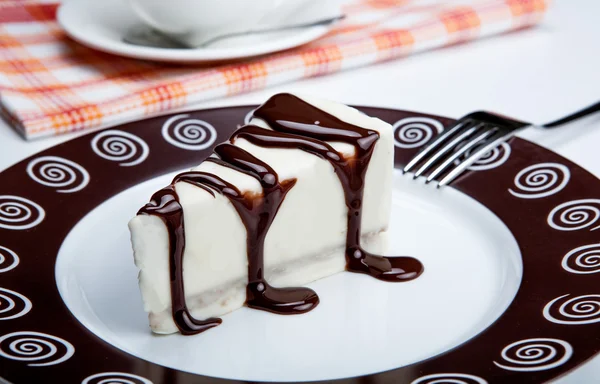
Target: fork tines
[(460, 145)]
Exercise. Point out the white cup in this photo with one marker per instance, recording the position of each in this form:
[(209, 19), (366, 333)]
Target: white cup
[(191, 21)]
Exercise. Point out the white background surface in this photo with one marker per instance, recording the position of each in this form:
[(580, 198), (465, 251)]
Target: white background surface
[(536, 75)]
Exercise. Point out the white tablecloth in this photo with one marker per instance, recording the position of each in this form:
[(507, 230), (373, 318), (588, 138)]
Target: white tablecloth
[(536, 75)]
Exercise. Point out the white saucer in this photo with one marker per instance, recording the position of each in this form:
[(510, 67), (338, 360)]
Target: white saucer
[(102, 24)]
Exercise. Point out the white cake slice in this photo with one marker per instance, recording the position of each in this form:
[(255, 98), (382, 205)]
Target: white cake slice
[(305, 242)]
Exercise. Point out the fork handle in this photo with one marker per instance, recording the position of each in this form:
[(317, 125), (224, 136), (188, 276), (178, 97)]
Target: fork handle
[(574, 116)]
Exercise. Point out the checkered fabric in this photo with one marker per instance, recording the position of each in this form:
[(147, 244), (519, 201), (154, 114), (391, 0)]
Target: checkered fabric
[(50, 84)]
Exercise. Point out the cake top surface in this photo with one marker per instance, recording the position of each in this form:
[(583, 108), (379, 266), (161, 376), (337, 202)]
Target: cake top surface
[(287, 162)]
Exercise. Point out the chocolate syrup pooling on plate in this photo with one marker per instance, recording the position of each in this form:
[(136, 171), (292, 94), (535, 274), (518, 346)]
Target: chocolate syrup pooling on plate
[(296, 125)]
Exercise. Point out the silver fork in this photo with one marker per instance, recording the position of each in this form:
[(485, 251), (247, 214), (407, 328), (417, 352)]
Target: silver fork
[(481, 130)]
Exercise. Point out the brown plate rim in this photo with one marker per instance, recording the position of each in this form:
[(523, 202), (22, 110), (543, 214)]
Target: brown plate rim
[(553, 224)]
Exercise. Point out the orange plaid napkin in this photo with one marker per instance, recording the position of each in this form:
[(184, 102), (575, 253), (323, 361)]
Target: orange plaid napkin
[(49, 84)]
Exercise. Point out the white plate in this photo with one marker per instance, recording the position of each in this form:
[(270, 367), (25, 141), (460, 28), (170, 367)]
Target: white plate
[(102, 24), (362, 326), (509, 293)]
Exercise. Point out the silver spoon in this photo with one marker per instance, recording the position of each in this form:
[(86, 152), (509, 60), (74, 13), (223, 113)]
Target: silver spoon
[(150, 37)]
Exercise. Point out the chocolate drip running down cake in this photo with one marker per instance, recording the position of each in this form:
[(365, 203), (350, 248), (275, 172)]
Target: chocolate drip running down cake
[(300, 193)]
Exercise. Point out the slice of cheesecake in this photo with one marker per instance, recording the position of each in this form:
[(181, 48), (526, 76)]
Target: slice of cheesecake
[(301, 193)]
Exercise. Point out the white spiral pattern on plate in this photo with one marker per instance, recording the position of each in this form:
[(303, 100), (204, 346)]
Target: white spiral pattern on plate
[(413, 132), (540, 180), (492, 159), (13, 304), (35, 348), (583, 260), (8, 259), (449, 378), (576, 310), (537, 354), (188, 133), (19, 213), (575, 215), (115, 378), (120, 146), (57, 172)]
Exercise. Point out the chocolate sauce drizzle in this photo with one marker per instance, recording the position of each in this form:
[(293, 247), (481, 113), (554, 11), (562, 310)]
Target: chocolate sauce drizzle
[(286, 113), (297, 125), (165, 204)]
